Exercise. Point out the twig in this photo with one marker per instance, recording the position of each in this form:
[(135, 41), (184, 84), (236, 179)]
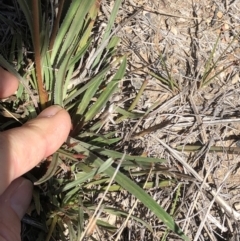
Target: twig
[(230, 211), (194, 204), (43, 95), (189, 148), (56, 24), (96, 214), (209, 209), (198, 119)]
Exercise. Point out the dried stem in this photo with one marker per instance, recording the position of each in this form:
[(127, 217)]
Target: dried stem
[(43, 96), (56, 24)]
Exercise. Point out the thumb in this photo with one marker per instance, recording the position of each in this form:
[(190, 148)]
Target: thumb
[(13, 205), (24, 147)]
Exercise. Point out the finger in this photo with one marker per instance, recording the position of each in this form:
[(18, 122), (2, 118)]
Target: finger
[(8, 83), (24, 147), (13, 205)]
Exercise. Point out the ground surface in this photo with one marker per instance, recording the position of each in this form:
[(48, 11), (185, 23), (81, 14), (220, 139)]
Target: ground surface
[(179, 41), (176, 39)]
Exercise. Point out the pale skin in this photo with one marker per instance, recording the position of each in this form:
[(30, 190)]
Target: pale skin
[(21, 149)]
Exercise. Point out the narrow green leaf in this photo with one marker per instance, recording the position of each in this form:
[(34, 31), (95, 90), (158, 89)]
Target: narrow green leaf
[(98, 78), (69, 195), (148, 185), (105, 141), (106, 226), (87, 98), (51, 169), (25, 6), (113, 44), (121, 213), (48, 72), (117, 155), (36, 200), (127, 114), (138, 192), (60, 78), (19, 51), (67, 79), (72, 232), (139, 94), (107, 93), (70, 28), (80, 219), (76, 27), (64, 28), (208, 67), (80, 53), (75, 94), (88, 175), (88, 25), (52, 227), (108, 29)]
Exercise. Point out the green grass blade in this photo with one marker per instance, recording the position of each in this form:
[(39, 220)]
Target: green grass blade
[(209, 67), (79, 53), (128, 114), (51, 169), (75, 94), (207, 81), (19, 51), (70, 28), (48, 72), (76, 27), (98, 77), (105, 141), (60, 78), (67, 79), (121, 213), (108, 29), (87, 98), (71, 230), (64, 28), (85, 176), (139, 94), (116, 155), (137, 191), (107, 93), (25, 6), (106, 226), (89, 23)]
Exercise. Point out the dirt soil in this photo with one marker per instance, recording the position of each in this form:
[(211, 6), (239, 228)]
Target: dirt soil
[(186, 56), (195, 44)]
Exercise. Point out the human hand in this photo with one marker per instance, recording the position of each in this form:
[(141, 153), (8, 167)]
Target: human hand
[(21, 149)]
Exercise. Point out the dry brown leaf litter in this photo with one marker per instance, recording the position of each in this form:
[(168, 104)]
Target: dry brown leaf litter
[(184, 34)]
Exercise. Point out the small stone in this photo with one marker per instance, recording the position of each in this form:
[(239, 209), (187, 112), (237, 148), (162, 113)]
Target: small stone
[(226, 26), (174, 30), (219, 14), (235, 79), (237, 206)]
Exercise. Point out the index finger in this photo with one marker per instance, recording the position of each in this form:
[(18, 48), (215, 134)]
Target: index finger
[(8, 83)]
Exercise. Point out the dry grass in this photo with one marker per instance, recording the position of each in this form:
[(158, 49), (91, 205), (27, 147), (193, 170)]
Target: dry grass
[(184, 36), (174, 40)]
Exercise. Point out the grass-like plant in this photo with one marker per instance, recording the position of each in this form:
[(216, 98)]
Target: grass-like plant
[(70, 66)]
